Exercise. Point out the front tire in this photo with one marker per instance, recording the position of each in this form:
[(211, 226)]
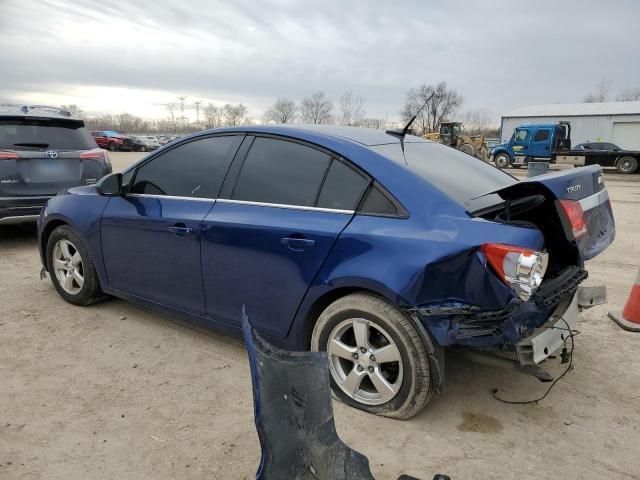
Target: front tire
[(143, 148), (378, 361), (468, 149), (627, 165), (113, 147), (503, 160), (72, 272)]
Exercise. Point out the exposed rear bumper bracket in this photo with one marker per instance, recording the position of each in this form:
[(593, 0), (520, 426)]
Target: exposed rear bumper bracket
[(591, 296)]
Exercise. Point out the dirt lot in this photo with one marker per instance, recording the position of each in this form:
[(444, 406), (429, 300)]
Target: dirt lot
[(115, 392)]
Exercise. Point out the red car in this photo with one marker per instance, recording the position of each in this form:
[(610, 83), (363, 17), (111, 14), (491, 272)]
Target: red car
[(111, 140)]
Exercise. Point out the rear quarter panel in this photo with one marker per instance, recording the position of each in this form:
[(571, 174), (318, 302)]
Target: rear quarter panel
[(411, 263)]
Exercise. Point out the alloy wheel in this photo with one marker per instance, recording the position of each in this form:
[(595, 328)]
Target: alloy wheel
[(68, 267), (364, 361)]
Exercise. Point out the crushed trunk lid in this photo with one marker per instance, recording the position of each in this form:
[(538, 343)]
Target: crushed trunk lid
[(568, 189)]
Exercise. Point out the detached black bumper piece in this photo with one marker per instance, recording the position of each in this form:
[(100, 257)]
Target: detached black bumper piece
[(294, 417)]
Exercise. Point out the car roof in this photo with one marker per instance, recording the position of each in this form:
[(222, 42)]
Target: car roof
[(40, 111), (363, 136)]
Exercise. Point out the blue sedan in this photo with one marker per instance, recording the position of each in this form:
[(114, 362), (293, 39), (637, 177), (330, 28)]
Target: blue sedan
[(377, 247)]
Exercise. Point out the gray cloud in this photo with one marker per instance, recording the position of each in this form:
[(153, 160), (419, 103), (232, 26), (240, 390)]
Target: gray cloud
[(499, 55)]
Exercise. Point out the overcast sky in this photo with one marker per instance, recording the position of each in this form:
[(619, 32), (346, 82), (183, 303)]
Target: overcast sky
[(133, 55)]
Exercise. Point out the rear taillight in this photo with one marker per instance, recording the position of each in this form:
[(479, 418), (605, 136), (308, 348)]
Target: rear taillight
[(575, 215), (94, 154), (522, 269), (9, 156)]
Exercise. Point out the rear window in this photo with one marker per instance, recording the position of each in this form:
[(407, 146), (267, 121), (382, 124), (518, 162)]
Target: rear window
[(55, 134), (460, 176)]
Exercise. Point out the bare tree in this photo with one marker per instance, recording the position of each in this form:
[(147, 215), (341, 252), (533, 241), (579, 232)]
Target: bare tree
[(441, 106), (234, 115), (378, 123), (213, 116), (478, 121), (171, 108), (316, 108), (600, 94), (128, 123), (352, 110), (74, 109), (102, 122), (629, 95), (283, 110)]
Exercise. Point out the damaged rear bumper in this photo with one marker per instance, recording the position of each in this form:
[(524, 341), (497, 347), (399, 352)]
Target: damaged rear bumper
[(550, 337), (454, 323)]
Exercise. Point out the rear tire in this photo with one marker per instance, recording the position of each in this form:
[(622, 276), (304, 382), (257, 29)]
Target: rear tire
[(143, 148), (401, 380), (113, 147), (72, 272), (627, 165), (502, 160)]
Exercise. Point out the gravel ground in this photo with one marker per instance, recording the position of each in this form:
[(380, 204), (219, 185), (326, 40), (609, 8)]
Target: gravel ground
[(115, 392)]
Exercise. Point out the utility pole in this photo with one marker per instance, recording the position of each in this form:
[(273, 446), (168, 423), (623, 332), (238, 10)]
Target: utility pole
[(182, 117), (197, 105)]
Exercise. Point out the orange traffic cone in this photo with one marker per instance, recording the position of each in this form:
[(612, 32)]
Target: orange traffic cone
[(630, 318)]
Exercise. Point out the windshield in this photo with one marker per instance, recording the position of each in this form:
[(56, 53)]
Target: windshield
[(57, 134), (460, 176)]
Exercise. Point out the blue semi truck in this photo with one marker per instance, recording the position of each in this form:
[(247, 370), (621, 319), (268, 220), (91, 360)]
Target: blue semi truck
[(550, 142)]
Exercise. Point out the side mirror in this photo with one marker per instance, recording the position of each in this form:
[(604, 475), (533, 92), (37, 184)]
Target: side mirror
[(110, 185)]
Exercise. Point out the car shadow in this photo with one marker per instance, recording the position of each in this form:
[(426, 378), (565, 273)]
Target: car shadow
[(14, 236)]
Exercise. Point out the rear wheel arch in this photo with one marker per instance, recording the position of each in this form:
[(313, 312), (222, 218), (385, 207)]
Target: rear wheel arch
[(428, 365), (321, 304)]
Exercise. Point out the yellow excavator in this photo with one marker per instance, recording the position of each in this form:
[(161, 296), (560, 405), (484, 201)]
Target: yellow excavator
[(451, 134)]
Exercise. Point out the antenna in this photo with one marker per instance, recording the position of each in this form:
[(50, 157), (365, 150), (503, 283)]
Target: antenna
[(405, 130)]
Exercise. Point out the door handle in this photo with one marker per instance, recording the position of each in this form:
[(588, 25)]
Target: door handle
[(297, 244), (180, 229)]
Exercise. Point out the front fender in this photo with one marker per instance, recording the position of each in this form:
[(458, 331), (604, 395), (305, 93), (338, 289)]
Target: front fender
[(82, 211), (498, 151)]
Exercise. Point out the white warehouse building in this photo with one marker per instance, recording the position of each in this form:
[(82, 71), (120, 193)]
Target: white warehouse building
[(615, 122)]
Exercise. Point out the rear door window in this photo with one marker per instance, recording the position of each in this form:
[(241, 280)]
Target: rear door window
[(194, 169), (53, 134), (281, 172)]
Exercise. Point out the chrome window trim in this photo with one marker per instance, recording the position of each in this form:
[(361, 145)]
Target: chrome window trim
[(173, 197), (281, 205), (246, 202)]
